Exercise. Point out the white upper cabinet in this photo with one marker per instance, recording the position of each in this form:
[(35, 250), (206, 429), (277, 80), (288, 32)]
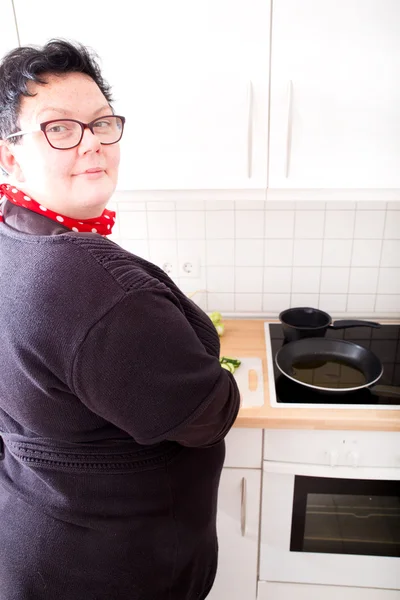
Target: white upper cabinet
[(9, 37), (190, 76), (335, 94)]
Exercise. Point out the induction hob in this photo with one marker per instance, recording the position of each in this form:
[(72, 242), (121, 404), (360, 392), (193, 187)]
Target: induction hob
[(384, 342)]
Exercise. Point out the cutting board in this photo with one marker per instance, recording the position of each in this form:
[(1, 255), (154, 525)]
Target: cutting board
[(250, 381)]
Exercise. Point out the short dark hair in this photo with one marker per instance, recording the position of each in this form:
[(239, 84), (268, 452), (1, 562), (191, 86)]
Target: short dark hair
[(29, 63)]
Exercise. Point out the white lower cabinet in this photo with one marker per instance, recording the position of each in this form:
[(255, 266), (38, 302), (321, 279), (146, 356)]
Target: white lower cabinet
[(238, 525), (291, 591)]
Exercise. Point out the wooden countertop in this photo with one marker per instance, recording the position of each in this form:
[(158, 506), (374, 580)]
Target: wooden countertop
[(245, 337)]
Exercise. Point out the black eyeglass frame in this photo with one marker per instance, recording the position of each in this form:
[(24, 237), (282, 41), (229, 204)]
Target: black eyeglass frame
[(42, 127)]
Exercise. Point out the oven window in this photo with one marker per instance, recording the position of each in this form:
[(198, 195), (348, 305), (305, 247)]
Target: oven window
[(346, 516)]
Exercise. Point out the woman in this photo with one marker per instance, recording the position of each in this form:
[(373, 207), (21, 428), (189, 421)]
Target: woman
[(113, 404)]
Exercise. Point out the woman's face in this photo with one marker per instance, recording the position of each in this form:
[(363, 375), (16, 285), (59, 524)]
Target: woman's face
[(57, 178)]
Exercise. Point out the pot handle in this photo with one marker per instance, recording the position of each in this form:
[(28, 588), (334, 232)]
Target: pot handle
[(346, 324)]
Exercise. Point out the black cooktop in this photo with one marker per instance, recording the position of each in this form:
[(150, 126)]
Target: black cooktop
[(384, 342)]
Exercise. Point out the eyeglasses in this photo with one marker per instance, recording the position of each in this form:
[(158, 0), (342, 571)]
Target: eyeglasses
[(64, 134)]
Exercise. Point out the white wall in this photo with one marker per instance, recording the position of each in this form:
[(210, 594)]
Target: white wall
[(259, 258)]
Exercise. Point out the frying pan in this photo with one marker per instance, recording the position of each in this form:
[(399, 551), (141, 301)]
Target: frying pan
[(303, 321), (296, 359)]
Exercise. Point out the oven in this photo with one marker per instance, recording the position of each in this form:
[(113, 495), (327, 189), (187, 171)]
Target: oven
[(331, 508)]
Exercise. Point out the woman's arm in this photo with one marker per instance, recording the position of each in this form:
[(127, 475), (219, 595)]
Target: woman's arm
[(144, 368)]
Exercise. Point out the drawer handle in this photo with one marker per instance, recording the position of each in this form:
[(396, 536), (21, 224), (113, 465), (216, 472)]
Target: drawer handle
[(288, 128), (249, 128), (243, 507)]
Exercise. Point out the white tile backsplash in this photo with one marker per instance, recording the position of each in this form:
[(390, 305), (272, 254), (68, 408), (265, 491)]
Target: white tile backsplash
[(162, 225), (198, 205), (339, 224), (197, 248), (248, 302), (363, 280), (369, 224), (221, 302), (191, 225), (307, 253), (388, 303), (133, 225), (138, 247), (275, 303), (277, 279), (220, 279), (220, 224), (337, 253), (306, 280), (249, 253), (164, 251), (248, 279), (279, 224), (334, 280), (309, 224), (278, 253), (333, 302), (392, 225), (220, 253), (262, 257), (340, 205), (304, 300), (390, 253), (389, 281), (366, 253), (249, 224), (363, 302), (158, 206)]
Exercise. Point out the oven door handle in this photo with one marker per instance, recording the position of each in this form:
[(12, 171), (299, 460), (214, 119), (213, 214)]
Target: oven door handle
[(243, 507), (340, 472)]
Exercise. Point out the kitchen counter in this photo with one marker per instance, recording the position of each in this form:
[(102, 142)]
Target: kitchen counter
[(245, 337)]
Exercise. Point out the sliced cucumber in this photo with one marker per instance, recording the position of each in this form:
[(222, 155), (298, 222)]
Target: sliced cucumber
[(227, 367), (230, 364)]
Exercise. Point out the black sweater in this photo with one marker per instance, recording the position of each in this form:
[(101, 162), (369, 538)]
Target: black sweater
[(113, 410)]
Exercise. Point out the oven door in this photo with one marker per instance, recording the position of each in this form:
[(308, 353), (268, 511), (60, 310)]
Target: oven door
[(335, 526)]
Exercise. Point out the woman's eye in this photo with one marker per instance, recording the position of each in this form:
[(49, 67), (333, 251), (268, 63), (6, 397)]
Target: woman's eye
[(102, 124), (57, 129)]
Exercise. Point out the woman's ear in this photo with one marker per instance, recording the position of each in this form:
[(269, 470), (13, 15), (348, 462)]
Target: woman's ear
[(9, 163)]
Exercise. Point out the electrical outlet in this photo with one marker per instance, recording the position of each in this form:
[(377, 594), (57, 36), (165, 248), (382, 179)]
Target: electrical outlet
[(167, 267), (189, 267)]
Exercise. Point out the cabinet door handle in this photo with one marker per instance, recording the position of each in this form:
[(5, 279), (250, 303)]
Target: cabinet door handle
[(249, 132), (288, 128), (243, 507)]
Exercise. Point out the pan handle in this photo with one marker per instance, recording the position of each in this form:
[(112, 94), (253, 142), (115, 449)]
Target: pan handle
[(391, 391), (347, 324)]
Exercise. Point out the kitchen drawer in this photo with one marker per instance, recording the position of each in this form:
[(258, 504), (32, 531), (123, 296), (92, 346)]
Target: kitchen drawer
[(288, 591), (341, 448), (244, 448)]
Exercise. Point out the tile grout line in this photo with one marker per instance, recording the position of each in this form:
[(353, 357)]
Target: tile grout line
[(380, 261), (177, 244), (147, 229), (263, 259), (351, 259), (207, 308), (234, 255), (322, 258)]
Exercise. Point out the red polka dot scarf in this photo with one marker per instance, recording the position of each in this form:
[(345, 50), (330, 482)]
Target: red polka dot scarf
[(102, 225)]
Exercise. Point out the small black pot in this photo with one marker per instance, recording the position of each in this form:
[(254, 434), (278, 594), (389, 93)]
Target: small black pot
[(305, 322)]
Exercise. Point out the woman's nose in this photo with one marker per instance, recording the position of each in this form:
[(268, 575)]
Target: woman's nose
[(89, 142)]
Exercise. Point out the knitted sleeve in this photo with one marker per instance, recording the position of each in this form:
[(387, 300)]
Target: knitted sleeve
[(143, 368)]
